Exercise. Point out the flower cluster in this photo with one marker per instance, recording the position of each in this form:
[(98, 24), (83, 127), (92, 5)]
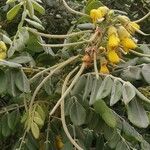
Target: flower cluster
[(99, 13), (3, 50), (120, 31)]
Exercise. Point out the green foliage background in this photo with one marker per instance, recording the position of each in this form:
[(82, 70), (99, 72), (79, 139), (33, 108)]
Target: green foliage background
[(93, 131)]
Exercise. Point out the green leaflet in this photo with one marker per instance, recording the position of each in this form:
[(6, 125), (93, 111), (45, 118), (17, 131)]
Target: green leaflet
[(77, 113), (96, 84), (35, 130), (38, 7), (13, 119), (105, 88), (35, 24), (13, 12), (137, 114), (146, 72), (128, 92), (3, 81), (106, 113), (22, 82), (116, 92), (30, 8)]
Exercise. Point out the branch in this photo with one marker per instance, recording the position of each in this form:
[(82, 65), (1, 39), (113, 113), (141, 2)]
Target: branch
[(143, 18), (72, 44), (46, 78), (69, 89), (63, 112), (139, 54), (58, 36), (72, 10), (43, 71)]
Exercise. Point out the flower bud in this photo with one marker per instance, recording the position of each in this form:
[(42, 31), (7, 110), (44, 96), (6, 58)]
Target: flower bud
[(123, 33), (123, 19)]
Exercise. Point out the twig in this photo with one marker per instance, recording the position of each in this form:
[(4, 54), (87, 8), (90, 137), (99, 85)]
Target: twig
[(10, 109), (143, 18), (69, 89), (41, 72), (58, 36), (22, 140), (63, 112), (72, 10), (46, 78), (139, 54)]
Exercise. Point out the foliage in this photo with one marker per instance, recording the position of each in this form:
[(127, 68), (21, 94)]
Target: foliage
[(88, 88)]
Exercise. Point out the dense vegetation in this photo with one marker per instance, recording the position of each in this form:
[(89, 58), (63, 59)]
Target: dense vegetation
[(74, 74)]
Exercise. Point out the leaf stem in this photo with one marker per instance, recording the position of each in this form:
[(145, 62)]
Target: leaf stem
[(143, 18), (139, 54), (69, 89), (72, 10), (63, 112), (72, 44), (58, 36)]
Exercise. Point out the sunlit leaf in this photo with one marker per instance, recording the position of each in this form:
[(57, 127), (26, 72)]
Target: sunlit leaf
[(116, 92), (128, 92), (35, 130), (105, 88), (13, 12)]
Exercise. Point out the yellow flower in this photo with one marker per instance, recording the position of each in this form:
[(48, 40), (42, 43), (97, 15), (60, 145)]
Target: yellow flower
[(95, 15), (132, 27), (123, 33), (104, 69), (128, 44), (113, 41), (103, 10), (113, 57), (2, 55), (3, 46)]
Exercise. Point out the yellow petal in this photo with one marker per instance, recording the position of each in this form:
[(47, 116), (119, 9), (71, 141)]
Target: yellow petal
[(104, 69), (128, 43), (3, 46), (132, 27), (113, 41), (95, 15), (113, 57)]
